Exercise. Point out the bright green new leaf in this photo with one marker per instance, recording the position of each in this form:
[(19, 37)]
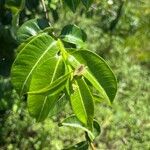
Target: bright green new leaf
[(79, 146), (31, 28), (87, 3), (73, 34), (33, 53), (45, 75), (96, 71), (82, 102), (72, 4)]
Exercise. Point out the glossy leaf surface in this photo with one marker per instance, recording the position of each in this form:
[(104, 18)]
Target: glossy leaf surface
[(73, 34), (31, 28)]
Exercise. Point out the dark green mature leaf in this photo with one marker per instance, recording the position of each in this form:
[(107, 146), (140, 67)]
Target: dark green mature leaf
[(72, 4), (87, 3), (45, 75), (33, 53), (73, 34), (97, 72), (32, 5), (73, 121), (96, 128), (31, 28), (79, 146), (82, 102)]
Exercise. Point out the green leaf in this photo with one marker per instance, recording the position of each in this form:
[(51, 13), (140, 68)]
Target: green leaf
[(87, 3), (59, 105), (15, 5), (33, 53), (96, 128), (54, 88), (82, 102), (31, 28), (40, 106), (73, 34), (97, 98), (79, 146), (73, 121), (45, 75), (97, 72), (72, 4)]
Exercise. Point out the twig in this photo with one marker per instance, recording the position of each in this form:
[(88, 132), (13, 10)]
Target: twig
[(46, 12), (92, 146)]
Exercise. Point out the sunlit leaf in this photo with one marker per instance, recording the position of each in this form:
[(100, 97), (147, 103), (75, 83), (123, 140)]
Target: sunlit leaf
[(73, 34), (45, 75), (53, 88), (31, 28), (97, 72), (82, 102), (36, 51)]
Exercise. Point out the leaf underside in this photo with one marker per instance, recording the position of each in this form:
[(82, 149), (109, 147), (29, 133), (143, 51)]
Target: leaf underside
[(32, 53), (40, 105), (50, 73)]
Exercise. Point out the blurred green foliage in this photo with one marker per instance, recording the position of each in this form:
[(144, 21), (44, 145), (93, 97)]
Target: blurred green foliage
[(117, 30)]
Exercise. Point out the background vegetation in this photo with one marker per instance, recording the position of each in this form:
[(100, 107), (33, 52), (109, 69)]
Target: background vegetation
[(118, 31)]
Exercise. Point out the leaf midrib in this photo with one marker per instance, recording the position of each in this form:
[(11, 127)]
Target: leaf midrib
[(57, 64), (85, 112), (75, 63), (25, 81)]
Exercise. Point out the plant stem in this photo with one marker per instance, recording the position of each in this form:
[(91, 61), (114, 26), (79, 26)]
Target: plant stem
[(89, 141), (46, 12), (92, 146), (62, 49)]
